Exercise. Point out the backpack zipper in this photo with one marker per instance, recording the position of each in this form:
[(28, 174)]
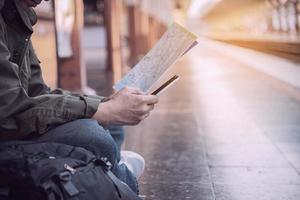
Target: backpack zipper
[(73, 170), (69, 168)]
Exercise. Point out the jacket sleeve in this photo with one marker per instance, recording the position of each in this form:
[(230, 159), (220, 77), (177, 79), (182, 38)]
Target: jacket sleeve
[(34, 114)]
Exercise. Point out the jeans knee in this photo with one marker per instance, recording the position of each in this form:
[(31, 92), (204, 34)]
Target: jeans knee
[(98, 140)]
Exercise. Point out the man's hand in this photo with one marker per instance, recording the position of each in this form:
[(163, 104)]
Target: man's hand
[(126, 107)]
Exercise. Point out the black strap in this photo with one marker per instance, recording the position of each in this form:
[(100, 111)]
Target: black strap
[(52, 191), (115, 181), (123, 189), (68, 186)]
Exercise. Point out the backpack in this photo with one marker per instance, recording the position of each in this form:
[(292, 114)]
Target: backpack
[(54, 171)]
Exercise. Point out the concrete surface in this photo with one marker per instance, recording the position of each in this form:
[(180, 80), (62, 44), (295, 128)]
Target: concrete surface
[(226, 131)]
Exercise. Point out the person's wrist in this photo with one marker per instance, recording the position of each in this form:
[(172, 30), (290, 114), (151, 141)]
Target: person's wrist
[(103, 113)]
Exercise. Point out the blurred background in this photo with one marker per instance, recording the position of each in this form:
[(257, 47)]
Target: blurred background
[(230, 128), (120, 32)]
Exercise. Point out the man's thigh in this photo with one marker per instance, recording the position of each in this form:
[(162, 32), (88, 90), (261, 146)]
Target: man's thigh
[(85, 133)]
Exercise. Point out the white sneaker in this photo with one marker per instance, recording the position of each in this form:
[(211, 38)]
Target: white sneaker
[(134, 162)]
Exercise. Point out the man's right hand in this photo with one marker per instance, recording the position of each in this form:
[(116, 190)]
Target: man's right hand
[(129, 106)]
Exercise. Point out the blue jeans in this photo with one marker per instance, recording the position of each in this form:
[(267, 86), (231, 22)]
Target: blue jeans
[(88, 134), (118, 134)]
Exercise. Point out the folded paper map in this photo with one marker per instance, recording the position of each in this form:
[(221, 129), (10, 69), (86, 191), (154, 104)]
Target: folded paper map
[(176, 42)]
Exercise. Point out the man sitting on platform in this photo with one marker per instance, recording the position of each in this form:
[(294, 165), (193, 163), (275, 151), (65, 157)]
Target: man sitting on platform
[(30, 111)]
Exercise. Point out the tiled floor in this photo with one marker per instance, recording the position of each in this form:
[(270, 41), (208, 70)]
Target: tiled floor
[(226, 131)]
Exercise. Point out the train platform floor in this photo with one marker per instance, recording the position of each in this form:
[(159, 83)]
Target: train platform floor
[(228, 130)]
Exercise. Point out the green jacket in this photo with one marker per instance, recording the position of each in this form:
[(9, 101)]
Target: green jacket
[(27, 106)]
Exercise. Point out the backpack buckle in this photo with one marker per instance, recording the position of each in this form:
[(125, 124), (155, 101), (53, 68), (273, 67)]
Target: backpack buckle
[(67, 185)]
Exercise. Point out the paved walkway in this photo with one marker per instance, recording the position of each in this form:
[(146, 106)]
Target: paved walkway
[(226, 131)]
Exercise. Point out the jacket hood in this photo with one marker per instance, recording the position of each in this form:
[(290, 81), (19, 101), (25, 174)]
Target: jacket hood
[(27, 14)]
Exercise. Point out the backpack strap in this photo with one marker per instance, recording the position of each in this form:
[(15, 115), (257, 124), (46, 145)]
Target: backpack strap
[(122, 188), (52, 191), (67, 185)]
